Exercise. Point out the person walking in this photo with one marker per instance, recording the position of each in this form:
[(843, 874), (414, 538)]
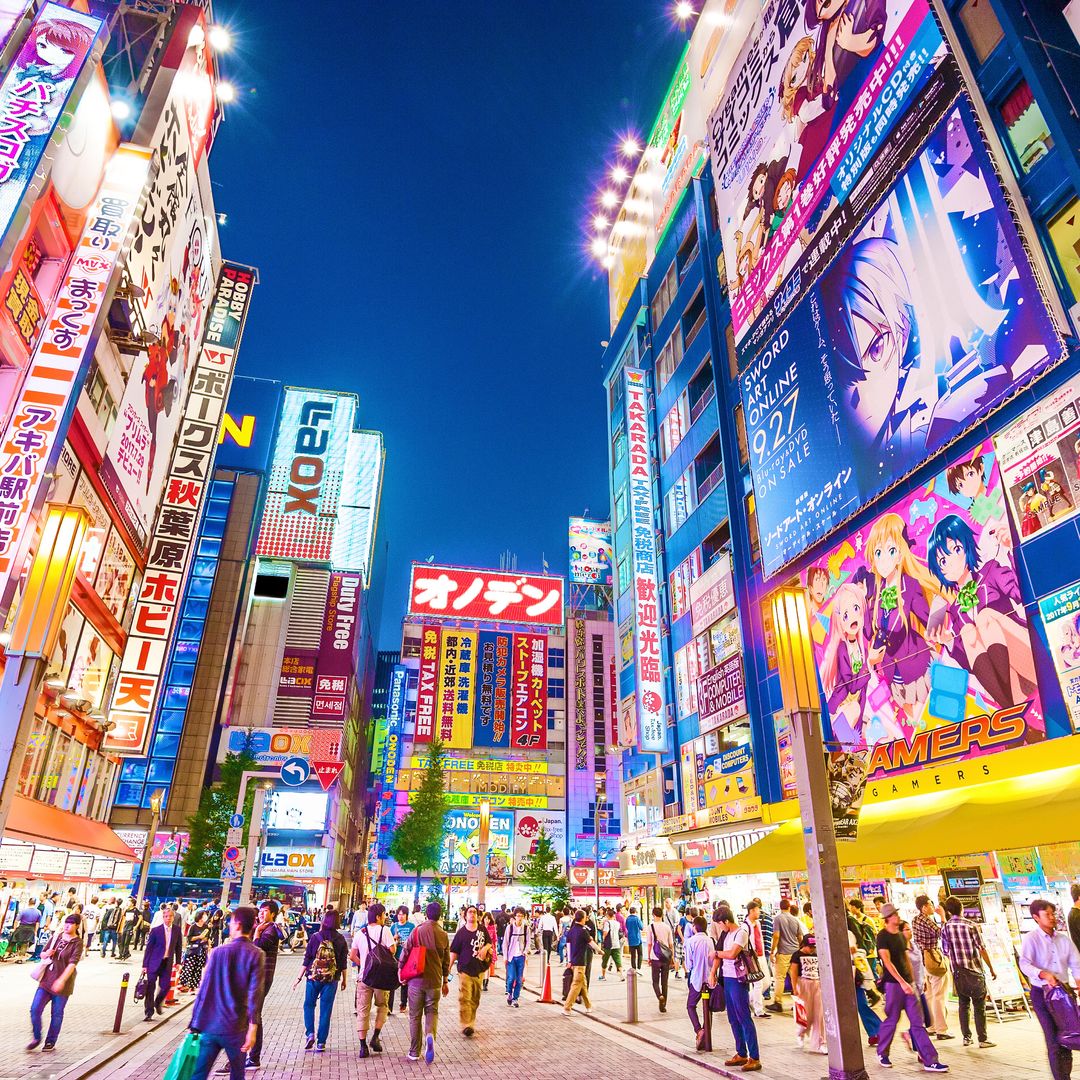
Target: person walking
[(425, 988), (198, 944), (110, 920), (57, 982), (734, 940), (961, 941), (674, 921), (516, 944), (702, 964), (129, 920), (91, 918), (661, 940), (374, 933), (548, 926), (633, 938), (611, 940), (471, 950), (27, 922), (326, 968), (487, 921), (805, 972), (142, 927), (403, 926), (579, 943), (163, 950), (926, 933), (228, 1006), (268, 937), (757, 943), (901, 996), (787, 939), (1047, 956), (216, 925)]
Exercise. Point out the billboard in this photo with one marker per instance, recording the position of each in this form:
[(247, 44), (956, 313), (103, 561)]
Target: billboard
[(721, 694), (296, 679), (491, 726), (273, 746), (306, 475), (353, 546), (428, 685), (927, 318), (529, 824), (35, 91), (30, 436), (249, 423), (463, 826), (712, 595), (1039, 455), (454, 592), (590, 552), (189, 473), (528, 713), (282, 862), (649, 677), (395, 724), (457, 678), (338, 646), (1060, 614), (580, 710), (920, 633)]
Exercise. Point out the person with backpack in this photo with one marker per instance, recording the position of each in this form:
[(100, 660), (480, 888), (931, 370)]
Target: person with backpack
[(471, 950), (110, 919), (373, 954), (516, 942), (611, 940), (268, 937), (633, 938), (661, 940), (735, 941), (401, 930), (865, 933), (326, 966), (425, 966)]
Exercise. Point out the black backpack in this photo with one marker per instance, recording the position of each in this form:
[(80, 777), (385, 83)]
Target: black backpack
[(380, 968)]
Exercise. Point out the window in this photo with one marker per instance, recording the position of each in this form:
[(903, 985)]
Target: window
[(693, 318), (623, 566), (673, 427), (670, 357), (556, 658), (97, 390), (1026, 126), (751, 524), (556, 688), (708, 468), (681, 501), (618, 445), (740, 436), (621, 506), (982, 27), (688, 251), (717, 541), (702, 389), (732, 356), (665, 294), (615, 395), (1064, 233), (681, 578)]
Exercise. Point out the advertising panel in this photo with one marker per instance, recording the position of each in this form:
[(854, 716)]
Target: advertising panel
[(927, 319), (353, 546), (297, 676), (1039, 455), (189, 473), (30, 435), (528, 717), (721, 694), (529, 824), (490, 726), (303, 810), (1061, 617), (395, 723), (712, 595), (428, 686), (457, 676), (306, 476), (273, 746), (921, 638), (35, 92), (281, 862), (485, 595), (726, 778), (337, 649), (249, 423), (581, 716), (463, 825), (649, 679), (590, 552)]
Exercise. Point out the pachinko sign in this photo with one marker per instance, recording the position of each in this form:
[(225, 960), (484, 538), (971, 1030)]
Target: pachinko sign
[(528, 712), (485, 595), (649, 679), (923, 320), (31, 433), (920, 633)]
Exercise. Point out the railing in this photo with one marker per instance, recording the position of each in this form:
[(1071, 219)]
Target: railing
[(688, 338), (699, 406), (710, 482)]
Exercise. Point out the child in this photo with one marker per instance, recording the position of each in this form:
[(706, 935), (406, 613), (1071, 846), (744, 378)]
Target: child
[(806, 987)]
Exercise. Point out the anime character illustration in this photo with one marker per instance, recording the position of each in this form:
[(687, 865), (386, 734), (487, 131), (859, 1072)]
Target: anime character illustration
[(754, 215), (845, 674), (968, 480), (1068, 650), (159, 386), (1055, 493), (783, 197), (749, 253), (1031, 502), (809, 115), (983, 627), (817, 587)]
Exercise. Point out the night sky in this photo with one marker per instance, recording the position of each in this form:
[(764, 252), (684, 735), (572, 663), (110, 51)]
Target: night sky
[(414, 182)]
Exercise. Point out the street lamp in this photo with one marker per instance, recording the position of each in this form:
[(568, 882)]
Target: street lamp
[(485, 832), (156, 799), (798, 681)]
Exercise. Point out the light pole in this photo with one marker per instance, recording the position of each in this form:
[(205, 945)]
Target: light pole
[(156, 800), (254, 833), (798, 681), (485, 832)]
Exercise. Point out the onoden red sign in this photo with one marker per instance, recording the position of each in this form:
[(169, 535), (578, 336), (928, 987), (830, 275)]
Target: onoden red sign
[(451, 592)]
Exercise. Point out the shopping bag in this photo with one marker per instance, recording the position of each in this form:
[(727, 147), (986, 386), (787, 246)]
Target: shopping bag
[(567, 979), (1062, 1007), (800, 1014), (140, 987), (182, 1066)]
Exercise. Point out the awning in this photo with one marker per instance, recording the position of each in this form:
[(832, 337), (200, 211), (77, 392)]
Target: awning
[(1023, 811), (38, 823)]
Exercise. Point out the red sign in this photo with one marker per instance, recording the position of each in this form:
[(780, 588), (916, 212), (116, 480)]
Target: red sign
[(327, 772), (528, 716), (427, 691), (485, 595)]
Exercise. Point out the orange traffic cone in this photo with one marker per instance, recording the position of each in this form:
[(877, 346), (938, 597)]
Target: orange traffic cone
[(545, 992), (170, 998)]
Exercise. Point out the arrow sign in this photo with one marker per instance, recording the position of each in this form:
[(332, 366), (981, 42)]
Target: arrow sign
[(327, 772), (295, 771), (236, 821)]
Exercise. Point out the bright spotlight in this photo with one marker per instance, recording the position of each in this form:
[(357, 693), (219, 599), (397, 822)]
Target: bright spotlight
[(600, 223), (630, 147), (226, 92), (684, 10), (599, 247), (609, 199), (220, 39), (120, 109), (620, 174)]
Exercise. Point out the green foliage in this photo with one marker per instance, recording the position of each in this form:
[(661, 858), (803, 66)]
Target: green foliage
[(543, 875), (210, 822), (417, 842)]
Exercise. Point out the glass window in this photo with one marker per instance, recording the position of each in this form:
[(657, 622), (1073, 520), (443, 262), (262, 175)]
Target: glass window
[(670, 357), (686, 676), (681, 501), (1064, 233), (623, 566), (619, 446), (556, 657), (621, 506), (1026, 126), (673, 427), (751, 519), (682, 577), (982, 27), (556, 688), (664, 295)]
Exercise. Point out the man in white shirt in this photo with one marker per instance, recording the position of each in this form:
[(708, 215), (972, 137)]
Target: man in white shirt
[(373, 932), (1046, 958), (548, 926), (756, 941)]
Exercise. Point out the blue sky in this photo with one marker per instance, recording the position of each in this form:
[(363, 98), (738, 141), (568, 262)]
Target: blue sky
[(413, 182)]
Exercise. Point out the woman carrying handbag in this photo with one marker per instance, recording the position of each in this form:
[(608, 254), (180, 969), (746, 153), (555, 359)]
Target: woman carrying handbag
[(661, 942), (55, 977)]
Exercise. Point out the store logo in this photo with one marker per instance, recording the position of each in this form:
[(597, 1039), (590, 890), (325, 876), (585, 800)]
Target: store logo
[(312, 440)]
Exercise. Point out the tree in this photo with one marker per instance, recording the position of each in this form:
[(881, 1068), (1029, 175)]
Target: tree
[(210, 822), (417, 843), (543, 874)]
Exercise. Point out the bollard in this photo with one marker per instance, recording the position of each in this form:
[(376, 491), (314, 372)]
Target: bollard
[(120, 1004), (706, 1042), (631, 997)]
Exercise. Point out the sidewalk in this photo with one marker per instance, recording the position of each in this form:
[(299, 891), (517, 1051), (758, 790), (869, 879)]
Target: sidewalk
[(1020, 1051), (87, 1036)]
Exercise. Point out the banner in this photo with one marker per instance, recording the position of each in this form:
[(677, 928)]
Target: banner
[(590, 552), (461, 844), (581, 716), (427, 690), (847, 783), (457, 674), (721, 694), (1060, 614), (30, 437), (485, 595), (927, 319), (712, 595), (491, 726), (337, 646), (395, 723), (920, 633), (528, 718), (529, 824), (726, 782), (1039, 455), (297, 676)]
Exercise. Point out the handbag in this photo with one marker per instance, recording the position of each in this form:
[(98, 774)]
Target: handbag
[(800, 1014), (747, 968), (716, 997), (140, 987), (412, 967), (661, 951), (934, 962), (39, 969), (182, 1065)]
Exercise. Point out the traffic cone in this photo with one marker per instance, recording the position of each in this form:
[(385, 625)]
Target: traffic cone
[(170, 998), (545, 992)]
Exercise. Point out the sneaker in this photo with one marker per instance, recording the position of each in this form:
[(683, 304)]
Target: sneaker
[(774, 1007), (516, 1005), (251, 1063), (822, 1050), (48, 1046), (320, 1048), (413, 1057), (752, 1065), (967, 1040), (567, 1014), (588, 1012), (224, 1070), (601, 979), (944, 1035), (738, 1059), (310, 1042), (935, 1066), (884, 1062), (429, 1053), (985, 1044), (509, 1001), (404, 1009)]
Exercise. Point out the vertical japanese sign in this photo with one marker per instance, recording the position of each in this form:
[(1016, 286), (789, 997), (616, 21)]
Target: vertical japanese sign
[(581, 716), (395, 715), (190, 472), (528, 727), (491, 727), (427, 691), (337, 647), (296, 679), (649, 680), (34, 93), (457, 671), (31, 433)]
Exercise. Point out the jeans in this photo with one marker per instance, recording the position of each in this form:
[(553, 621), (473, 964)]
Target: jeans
[(693, 997), (58, 1003), (635, 956), (896, 1004), (256, 1046), (140, 936), (125, 942), (108, 937), (737, 999), (871, 1022), (364, 997), (1060, 1058), (210, 1046), (423, 1002), (660, 973), (469, 989), (323, 993), (515, 977), (404, 1002), (971, 990), (577, 986), (157, 987)]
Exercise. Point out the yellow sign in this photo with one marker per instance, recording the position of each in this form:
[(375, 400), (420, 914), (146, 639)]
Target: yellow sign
[(453, 764), (457, 679), (522, 802)]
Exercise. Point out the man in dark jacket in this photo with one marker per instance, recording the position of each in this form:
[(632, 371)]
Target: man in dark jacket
[(131, 919), (268, 938), (163, 949), (229, 1002), (424, 989)]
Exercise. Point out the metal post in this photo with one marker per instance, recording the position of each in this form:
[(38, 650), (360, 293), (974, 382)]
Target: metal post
[(254, 832), (144, 869), (120, 1004), (244, 778), (631, 996), (485, 830), (449, 871)]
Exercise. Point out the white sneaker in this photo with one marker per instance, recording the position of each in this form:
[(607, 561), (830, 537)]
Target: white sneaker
[(588, 1012)]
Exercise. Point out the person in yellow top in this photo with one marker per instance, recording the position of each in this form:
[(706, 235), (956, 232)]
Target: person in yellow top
[(807, 917)]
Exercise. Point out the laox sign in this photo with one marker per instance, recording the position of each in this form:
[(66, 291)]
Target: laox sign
[(312, 438), (297, 860)]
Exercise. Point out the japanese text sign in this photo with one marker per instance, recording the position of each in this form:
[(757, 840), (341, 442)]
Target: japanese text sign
[(712, 595), (528, 716), (457, 677), (491, 726), (485, 595), (427, 692), (395, 717), (337, 648), (581, 716)]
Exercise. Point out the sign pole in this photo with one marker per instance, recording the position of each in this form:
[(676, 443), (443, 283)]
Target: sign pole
[(254, 832)]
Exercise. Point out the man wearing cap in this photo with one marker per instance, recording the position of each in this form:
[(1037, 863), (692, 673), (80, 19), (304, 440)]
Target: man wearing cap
[(900, 995), (926, 931)]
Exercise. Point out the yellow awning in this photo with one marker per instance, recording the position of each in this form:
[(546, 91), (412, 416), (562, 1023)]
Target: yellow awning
[(1023, 811)]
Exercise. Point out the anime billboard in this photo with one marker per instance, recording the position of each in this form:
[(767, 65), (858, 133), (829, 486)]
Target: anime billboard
[(920, 633), (927, 318)]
